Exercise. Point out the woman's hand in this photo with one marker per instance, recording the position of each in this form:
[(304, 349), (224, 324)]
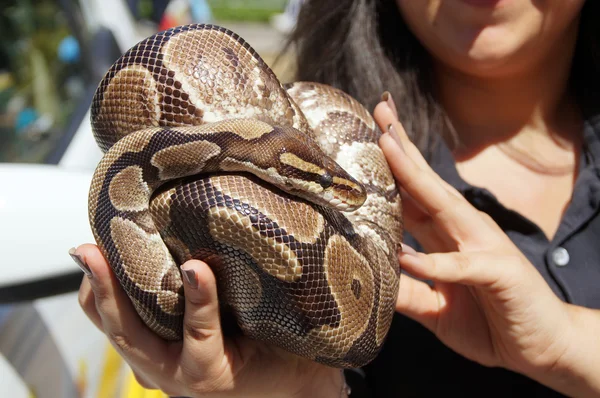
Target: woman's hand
[(205, 363), (488, 302)]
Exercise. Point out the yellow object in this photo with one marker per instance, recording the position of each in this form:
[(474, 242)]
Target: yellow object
[(134, 390), (110, 386), (6, 80), (82, 377), (110, 374)]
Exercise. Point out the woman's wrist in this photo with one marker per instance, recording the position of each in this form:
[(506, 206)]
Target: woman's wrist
[(577, 371)]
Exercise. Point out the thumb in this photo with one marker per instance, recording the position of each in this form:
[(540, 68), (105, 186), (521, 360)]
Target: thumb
[(202, 336)]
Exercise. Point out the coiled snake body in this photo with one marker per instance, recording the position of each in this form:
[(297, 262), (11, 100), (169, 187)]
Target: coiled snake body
[(283, 191)]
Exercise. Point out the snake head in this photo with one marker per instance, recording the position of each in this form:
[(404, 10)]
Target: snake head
[(309, 173)]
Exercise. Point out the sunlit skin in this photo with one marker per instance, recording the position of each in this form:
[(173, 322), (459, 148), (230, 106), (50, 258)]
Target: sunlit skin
[(501, 74), (499, 41)]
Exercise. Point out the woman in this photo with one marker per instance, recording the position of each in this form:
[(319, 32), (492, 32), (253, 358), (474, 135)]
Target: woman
[(502, 264)]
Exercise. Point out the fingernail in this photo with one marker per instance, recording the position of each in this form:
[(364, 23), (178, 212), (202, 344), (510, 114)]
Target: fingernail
[(387, 97), (406, 249), (190, 277), (80, 262), (395, 136)]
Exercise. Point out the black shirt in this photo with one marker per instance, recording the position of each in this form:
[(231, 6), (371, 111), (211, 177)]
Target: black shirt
[(414, 363)]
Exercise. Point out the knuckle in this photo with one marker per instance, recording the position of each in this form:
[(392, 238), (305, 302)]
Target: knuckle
[(121, 341), (195, 333), (433, 262), (201, 331), (463, 263)]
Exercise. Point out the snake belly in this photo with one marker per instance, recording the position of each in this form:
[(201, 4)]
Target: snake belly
[(186, 119)]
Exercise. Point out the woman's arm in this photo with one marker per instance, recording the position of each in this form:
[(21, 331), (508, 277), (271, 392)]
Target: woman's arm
[(577, 372)]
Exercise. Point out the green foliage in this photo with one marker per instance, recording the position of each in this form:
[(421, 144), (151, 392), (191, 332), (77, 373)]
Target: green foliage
[(246, 10)]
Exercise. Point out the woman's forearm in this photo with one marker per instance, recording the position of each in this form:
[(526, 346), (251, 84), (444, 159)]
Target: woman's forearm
[(577, 372)]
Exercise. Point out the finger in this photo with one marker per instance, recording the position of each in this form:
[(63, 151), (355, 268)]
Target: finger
[(422, 227), (203, 346), (387, 98), (418, 301), (451, 212), (414, 179), (384, 117), (413, 209), (140, 347), (384, 114), (471, 269), (86, 298), (417, 221), (88, 303)]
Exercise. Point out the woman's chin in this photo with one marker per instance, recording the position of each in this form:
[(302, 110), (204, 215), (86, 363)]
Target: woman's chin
[(488, 54)]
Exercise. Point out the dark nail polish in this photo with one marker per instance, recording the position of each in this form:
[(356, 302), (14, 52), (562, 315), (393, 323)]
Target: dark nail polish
[(190, 277), (387, 97), (394, 135), (80, 262)]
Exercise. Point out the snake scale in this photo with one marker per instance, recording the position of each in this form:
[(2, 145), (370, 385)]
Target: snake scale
[(281, 189)]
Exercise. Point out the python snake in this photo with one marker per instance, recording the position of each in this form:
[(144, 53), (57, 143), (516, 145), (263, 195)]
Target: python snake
[(281, 189)]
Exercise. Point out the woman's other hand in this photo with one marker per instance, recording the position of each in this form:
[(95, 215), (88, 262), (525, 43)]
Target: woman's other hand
[(488, 302)]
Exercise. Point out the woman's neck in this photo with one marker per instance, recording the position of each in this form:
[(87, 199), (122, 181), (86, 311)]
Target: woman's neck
[(527, 109), (519, 134)]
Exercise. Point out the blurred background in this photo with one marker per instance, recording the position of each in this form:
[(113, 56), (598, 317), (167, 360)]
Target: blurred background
[(53, 53)]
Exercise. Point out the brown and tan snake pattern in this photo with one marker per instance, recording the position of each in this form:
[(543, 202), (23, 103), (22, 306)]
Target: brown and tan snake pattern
[(282, 190)]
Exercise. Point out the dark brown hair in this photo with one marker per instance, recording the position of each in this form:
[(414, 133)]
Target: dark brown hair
[(364, 47)]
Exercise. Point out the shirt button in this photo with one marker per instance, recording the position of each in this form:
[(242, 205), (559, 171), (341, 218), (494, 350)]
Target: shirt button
[(560, 257)]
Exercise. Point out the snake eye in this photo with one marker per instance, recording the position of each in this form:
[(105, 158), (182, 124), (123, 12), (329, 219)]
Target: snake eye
[(326, 180)]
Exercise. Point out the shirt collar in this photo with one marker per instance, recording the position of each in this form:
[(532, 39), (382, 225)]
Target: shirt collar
[(591, 142), (443, 163)]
